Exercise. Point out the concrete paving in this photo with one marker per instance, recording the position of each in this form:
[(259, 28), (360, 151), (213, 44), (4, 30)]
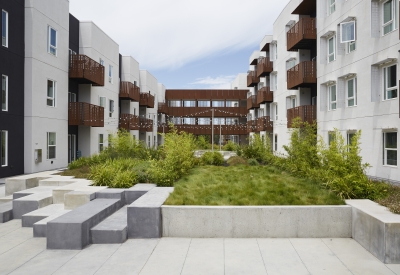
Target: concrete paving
[(20, 253)]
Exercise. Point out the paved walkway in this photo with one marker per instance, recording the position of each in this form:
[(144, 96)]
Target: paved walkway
[(22, 254)]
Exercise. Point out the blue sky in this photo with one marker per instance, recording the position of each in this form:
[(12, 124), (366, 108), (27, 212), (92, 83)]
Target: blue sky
[(185, 43)]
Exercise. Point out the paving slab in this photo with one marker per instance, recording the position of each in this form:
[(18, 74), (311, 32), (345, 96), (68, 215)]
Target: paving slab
[(10, 226), (242, 256), (113, 229), (31, 203), (137, 191), (168, 257), (72, 230), (280, 257), (6, 212), (205, 256), (130, 257), (32, 217), (14, 238), (40, 227)]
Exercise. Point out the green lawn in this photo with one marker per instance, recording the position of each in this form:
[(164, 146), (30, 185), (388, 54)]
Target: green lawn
[(247, 185)]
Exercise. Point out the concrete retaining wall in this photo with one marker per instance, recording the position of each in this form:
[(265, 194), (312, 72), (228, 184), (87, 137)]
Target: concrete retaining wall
[(257, 221)]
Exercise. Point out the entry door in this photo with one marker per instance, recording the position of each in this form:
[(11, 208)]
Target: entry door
[(71, 148)]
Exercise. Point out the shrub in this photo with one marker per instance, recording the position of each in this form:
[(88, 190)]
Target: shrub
[(252, 162), (212, 158), (230, 146), (87, 161), (124, 145), (233, 161), (258, 148), (203, 143)]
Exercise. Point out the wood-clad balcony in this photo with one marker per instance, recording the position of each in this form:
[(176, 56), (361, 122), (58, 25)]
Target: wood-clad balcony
[(303, 35), (252, 79), (130, 91), (307, 113), (162, 108), (206, 111), (251, 126), (264, 67), (265, 124), (252, 102), (86, 70), (129, 122), (265, 95), (85, 114), (146, 125), (146, 99), (303, 74), (207, 129)]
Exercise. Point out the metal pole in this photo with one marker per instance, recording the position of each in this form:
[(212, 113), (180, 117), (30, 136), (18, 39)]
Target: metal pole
[(220, 136), (212, 131)]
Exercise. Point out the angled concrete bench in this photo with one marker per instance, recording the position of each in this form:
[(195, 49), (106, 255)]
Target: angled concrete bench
[(31, 191), (40, 227), (72, 230), (6, 199), (137, 191), (81, 196), (32, 217), (59, 192), (23, 182), (113, 229), (31, 203), (144, 214), (376, 229), (112, 193), (58, 181), (6, 212)]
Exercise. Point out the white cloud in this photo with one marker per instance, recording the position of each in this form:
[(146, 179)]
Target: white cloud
[(220, 82), (168, 34)]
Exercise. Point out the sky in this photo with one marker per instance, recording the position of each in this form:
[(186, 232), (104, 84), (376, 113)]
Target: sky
[(185, 44)]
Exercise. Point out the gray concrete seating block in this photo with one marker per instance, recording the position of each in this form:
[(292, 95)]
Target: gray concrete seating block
[(72, 230), (144, 214), (59, 192), (6, 199), (376, 229), (112, 193), (6, 212), (114, 229), (58, 181), (137, 191), (81, 196), (40, 227), (31, 191), (23, 182), (32, 217), (31, 203)]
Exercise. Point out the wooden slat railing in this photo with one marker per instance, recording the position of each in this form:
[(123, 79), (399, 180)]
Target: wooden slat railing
[(85, 114), (302, 74), (264, 124), (146, 99), (264, 66), (84, 68), (265, 95), (305, 29), (207, 129), (307, 113), (146, 125), (252, 79), (130, 91), (129, 122), (252, 102), (206, 111), (251, 126), (162, 108)]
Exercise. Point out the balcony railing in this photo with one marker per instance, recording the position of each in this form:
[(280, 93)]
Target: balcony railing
[(251, 126), (146, 125), (252, 102), (302, 75), (252, 79), (302, 35), (206, 111), (264, 67), (264, 124), (128, 90), (306, 113), (146, 99), (85, 114), (207, 129), (162, 108), (86, 70), (129, 122), (265, 95)]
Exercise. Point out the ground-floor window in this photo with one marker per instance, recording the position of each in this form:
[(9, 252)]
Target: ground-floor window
[(350, 136), (390, 148), (276, 142), (71, 148), (4, 148), (101, 142), (51, 145), (148, 141)]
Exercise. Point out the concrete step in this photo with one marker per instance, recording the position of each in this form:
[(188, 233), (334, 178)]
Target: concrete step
[(72, 230), (32, 217), (137, 191), (31, 203), (81, 196), (59, 192), (58, 181), (114, 229), (6, 212), (6, 199), (40, 227), (23, 182), (35, 190), (112, 193)]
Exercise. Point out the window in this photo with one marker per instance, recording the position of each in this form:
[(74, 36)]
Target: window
[(293, 102), (175, 120), (101, 142), (276, 111), (52, 41), (331, 49), (332, 99), (148, 142), (219, 121), (290, 63), (351, 46), (110, 74), (203, 103), (204, 121), (51, 145), (232, 121), (348, 32), (217, 103), (390, 82), (174, 103), (4, 93), (232, 103), (189, 121), (51, 93), (4, 28), (390, 148), (154, 141), (189, 103), (111, 107), (350, 136), (4, 148), (389, 23), (331, 138), (276, 142), (101, 62), (331, 6), (71, 97), (102, 101), (351, 92)]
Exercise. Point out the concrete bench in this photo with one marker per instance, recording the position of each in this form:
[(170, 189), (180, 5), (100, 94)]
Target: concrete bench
[(59, 192), (31, 191), (81, 196), (376, 229), (72, 230), (6, 212), (23, 182), (58, 181), (6, 199), (32, 217), (137, 191), (40, 227), (144, 214), (112, 193), (31, 203), (114, 229)]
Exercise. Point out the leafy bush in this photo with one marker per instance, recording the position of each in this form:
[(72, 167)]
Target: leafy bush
[(212, 158), (230, 146), (233, 161), (87, 161), (258, 148), (124, 145), (252, 162), (203, 142)]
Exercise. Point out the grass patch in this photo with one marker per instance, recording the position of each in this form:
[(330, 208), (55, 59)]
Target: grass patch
[(82, 172), (248, 185), (392, 201)]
